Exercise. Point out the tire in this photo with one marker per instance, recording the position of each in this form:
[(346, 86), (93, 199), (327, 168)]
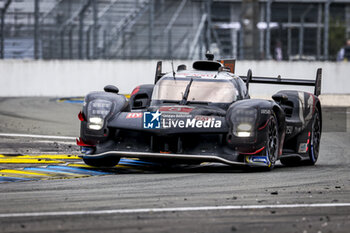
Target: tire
[(315, 139), (272, 142), (101, 162), (271, 145)]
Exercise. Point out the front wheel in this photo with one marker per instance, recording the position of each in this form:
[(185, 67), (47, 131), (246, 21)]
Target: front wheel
[(270, 153), (272, 142)]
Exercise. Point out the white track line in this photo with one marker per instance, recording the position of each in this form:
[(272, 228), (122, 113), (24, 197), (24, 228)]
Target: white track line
[(36, 136), (176, 209)]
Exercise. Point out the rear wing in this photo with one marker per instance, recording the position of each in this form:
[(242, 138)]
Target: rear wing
[(284, 81)]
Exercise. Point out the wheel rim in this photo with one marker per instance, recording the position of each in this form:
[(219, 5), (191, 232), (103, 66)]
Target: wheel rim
[(272, 143), (315, 137)]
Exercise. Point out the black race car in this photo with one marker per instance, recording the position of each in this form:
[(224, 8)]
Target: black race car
[(203, 115)]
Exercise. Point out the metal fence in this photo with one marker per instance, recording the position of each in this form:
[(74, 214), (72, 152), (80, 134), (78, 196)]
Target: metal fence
[(173, 29)]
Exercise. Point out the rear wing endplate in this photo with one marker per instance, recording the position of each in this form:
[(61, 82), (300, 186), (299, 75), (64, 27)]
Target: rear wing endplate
[(159, 73), (284, 81)]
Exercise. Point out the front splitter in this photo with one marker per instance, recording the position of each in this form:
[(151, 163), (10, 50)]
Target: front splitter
[(202, 158)]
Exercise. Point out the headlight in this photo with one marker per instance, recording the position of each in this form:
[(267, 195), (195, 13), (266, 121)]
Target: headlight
[(95, 120), (244, 127), (95, 123), (243, 134), (98, 110), (243, 122), (244, 130), (95, 127)]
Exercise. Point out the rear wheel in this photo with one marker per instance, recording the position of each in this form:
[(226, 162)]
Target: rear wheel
[(101, 162), (315, 139), (313, 146)]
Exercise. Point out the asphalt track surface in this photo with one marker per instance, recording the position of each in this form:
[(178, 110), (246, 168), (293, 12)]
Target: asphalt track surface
[(46, 188)]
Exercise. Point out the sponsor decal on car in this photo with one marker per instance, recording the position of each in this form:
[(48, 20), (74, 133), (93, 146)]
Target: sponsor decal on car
[(258, 159), (302, 148), (134, 115), (157, 120), (265, 111), (175, 109), (191, 123), (204, 118), (289, 129), (201, 75), (151, 120)]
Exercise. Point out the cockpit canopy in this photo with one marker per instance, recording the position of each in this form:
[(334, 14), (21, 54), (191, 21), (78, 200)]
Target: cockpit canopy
[(169, 89)]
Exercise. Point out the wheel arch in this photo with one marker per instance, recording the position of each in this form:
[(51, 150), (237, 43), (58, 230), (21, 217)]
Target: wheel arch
[(265, 108)]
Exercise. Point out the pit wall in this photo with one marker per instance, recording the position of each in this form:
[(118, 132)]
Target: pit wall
[(76, 78)]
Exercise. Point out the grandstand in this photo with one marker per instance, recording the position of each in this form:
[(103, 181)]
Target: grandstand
[(173, 29)]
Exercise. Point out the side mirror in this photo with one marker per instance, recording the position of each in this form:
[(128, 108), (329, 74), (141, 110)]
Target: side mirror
[(112, 89), (280, 98), (181, 67), (140, 103)]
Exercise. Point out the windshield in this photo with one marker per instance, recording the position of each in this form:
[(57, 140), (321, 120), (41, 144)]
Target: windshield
[(201, 90)]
